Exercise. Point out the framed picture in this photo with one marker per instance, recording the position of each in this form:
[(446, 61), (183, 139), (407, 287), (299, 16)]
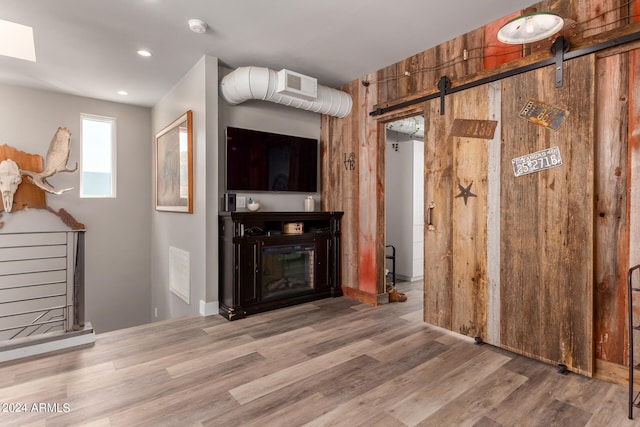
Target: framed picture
[(174, 166)]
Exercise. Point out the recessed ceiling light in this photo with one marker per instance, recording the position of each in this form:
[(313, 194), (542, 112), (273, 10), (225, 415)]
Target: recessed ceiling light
[(16, 41), (145, 53), (122, 92)]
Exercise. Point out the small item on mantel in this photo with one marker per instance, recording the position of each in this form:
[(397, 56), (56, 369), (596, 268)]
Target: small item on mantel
[(253, 205), (309, 204), (293, 228)]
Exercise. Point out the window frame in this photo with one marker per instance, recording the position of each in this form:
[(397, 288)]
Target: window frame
[(112, 121)]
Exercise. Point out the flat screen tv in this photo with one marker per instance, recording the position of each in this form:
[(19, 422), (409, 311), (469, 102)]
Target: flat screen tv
[(264, 161)]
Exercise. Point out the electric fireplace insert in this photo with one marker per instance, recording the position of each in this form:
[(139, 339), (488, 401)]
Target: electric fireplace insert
[(263, 268)]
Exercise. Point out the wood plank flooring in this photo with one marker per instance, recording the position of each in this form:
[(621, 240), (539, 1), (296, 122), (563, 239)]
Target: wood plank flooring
[(331, 362)]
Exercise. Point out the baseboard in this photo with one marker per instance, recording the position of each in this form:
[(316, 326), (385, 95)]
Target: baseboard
[(400, 277), (614, 373), (382, 298), (34, 346), (365, 297), (209, 308)]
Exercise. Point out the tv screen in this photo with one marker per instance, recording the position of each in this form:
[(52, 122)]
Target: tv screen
[(263, 161)]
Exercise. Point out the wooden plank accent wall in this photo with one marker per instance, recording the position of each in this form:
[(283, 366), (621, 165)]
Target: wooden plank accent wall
[(582, 19), (561, 199), (494, 51), (426, 68), (547, 221), (353, 184), (371, 194), (610, 231), (633, 174), (340, 186), (593, 17)]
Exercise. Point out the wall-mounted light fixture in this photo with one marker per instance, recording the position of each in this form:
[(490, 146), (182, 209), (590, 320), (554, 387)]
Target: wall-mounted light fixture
[(530, 28)]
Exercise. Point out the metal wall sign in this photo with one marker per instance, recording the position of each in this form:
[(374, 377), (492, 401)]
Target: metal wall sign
[(543, 114), (483, 129), (536, 162)]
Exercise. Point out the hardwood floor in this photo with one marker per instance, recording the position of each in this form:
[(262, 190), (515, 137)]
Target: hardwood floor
[(331, 362)]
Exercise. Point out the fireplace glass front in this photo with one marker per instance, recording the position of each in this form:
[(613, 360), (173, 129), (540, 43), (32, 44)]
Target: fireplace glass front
[(287, 270)]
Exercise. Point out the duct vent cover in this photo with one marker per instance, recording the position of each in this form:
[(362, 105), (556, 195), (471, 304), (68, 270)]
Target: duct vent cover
[(294, 82), (297, 85)]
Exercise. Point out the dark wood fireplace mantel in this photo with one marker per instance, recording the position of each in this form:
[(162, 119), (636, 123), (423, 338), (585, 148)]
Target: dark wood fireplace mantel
[(270, 260)]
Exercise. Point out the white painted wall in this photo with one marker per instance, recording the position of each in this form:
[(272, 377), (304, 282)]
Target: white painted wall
[(195, 233), (417, 265), (117, 249), (127, 241), (404, 204), (268, 117)]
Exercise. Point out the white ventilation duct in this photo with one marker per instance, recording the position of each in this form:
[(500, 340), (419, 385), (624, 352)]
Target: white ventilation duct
[(245, 83), (412, 126)]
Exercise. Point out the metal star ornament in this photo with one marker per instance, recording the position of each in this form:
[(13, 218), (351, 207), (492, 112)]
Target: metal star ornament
[(465, 192)]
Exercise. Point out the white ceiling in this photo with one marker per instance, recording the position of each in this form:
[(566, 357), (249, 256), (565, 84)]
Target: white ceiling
[(88, 47)]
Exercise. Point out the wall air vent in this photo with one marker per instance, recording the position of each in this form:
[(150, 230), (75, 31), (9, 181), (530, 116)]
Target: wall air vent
[(297, 85), (294, 82)]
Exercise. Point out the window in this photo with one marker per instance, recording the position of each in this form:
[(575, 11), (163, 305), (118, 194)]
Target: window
[(98, 156)]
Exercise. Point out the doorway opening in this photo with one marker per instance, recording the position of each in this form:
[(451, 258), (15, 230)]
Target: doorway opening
[(404, 198)]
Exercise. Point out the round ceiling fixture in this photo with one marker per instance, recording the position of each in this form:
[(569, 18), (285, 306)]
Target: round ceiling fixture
[(531, 27), (197, 26)]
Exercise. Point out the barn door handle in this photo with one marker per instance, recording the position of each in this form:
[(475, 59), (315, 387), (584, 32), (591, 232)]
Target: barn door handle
[(430, 225)]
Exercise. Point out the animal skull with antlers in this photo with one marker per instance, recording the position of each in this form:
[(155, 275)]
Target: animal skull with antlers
[(56, 161), (10, 178)]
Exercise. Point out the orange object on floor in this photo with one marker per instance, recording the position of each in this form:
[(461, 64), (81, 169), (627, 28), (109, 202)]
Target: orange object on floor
[(395, 296)]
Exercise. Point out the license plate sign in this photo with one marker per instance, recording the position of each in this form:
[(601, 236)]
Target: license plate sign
[(536, 162), (543, 114)]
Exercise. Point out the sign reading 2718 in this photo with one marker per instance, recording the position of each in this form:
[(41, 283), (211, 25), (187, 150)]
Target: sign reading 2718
[(536, 162)]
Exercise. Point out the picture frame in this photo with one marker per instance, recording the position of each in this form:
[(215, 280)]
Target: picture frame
[(173, 148)]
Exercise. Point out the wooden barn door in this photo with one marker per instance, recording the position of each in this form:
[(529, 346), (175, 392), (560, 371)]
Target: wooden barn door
[(514, 265), (546, 221), (456, 214)]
